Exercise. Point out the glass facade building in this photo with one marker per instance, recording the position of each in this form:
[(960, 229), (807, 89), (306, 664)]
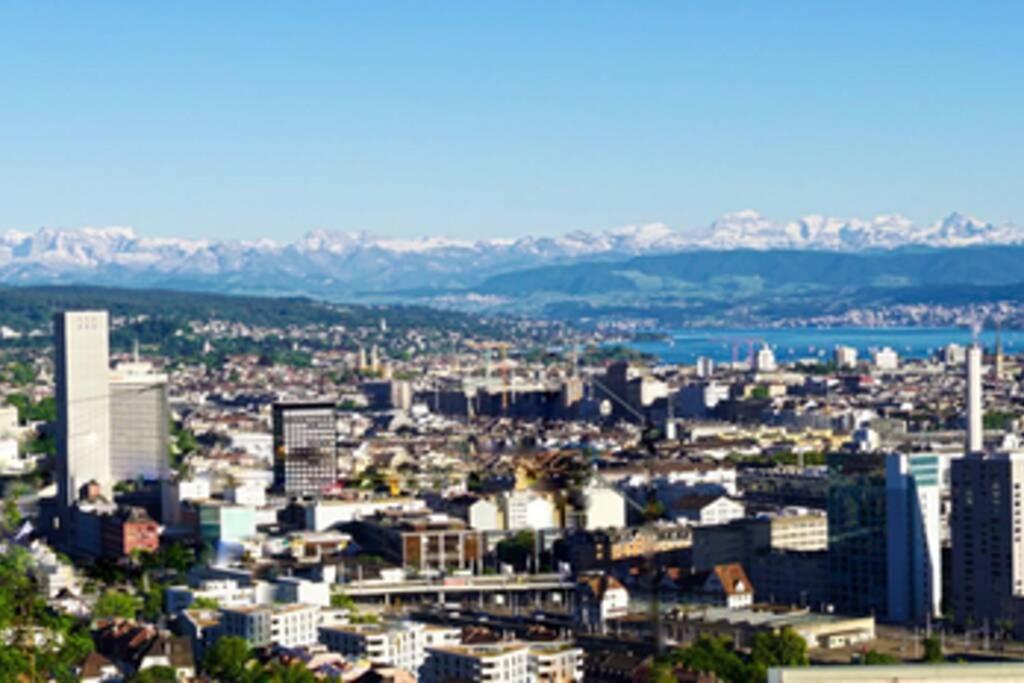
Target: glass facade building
[(305, 448)]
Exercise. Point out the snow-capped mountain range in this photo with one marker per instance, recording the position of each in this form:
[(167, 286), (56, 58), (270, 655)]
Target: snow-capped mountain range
[(341, 265)]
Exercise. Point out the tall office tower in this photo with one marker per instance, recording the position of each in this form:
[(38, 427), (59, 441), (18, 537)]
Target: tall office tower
[(913, 494), (305, 448), (140, 423), (857, 533), (83, 404), (975, 431), (987, 551)]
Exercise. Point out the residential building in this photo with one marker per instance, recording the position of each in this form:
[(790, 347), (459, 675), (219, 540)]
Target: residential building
[(597, 507), (599, 597), (524, 509), (128, 531), (728, 585), (555, 662), (485, 663), (222, 592), (707, 510), (281, 625), (402, 644)]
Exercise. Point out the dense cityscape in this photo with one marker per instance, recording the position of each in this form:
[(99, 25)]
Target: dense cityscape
[(511, 342), (486, 511)]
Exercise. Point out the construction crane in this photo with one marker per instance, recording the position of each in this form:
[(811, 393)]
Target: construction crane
[(648, 439)]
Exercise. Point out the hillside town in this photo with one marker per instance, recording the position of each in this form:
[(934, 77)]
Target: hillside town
[(482, 513)]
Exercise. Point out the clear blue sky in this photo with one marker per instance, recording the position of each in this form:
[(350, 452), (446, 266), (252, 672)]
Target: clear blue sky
[(260, 119)]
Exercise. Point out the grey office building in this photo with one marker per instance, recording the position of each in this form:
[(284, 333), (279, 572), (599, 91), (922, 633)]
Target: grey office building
[(305, 448), (140, 423)]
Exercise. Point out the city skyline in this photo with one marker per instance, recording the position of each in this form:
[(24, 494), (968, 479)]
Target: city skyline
[(471, 121), (511, 342)]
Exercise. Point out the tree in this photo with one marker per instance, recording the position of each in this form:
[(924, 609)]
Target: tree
[(872, 657), (153, 601), (517, 549), (23, 617), (156, 674), (933, 650), (227, 659), (714, 655), (786, 648), (21, 373), (115, 603), (342, 601), (661, 672), (10, 519), (203, 602), (175, 556), (292, 673)]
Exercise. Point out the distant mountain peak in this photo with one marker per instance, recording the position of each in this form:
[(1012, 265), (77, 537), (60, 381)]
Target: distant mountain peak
[(361, 261)]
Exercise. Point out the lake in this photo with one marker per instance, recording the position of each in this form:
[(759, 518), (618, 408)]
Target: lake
[(685, 346)]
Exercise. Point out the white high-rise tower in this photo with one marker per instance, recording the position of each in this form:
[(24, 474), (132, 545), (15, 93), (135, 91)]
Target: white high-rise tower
[(83, 403), (975, 433)]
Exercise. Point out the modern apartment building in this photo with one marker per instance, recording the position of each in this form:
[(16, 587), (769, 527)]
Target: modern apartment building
[(278, 624), (555, 662), (401, 644), (490, 663)]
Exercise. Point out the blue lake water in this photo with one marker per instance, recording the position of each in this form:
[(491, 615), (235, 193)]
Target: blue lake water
[(685, 346)]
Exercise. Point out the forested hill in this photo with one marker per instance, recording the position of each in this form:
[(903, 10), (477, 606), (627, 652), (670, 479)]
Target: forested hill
[(32, 308)]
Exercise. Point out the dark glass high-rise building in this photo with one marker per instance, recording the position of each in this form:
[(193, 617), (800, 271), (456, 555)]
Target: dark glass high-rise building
[(857, 533), (305, 448)]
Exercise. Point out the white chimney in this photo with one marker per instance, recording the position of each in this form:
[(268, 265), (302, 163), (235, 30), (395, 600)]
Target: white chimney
[(975, 443)]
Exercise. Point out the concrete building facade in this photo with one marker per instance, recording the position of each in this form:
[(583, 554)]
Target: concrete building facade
[(83, 405)]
